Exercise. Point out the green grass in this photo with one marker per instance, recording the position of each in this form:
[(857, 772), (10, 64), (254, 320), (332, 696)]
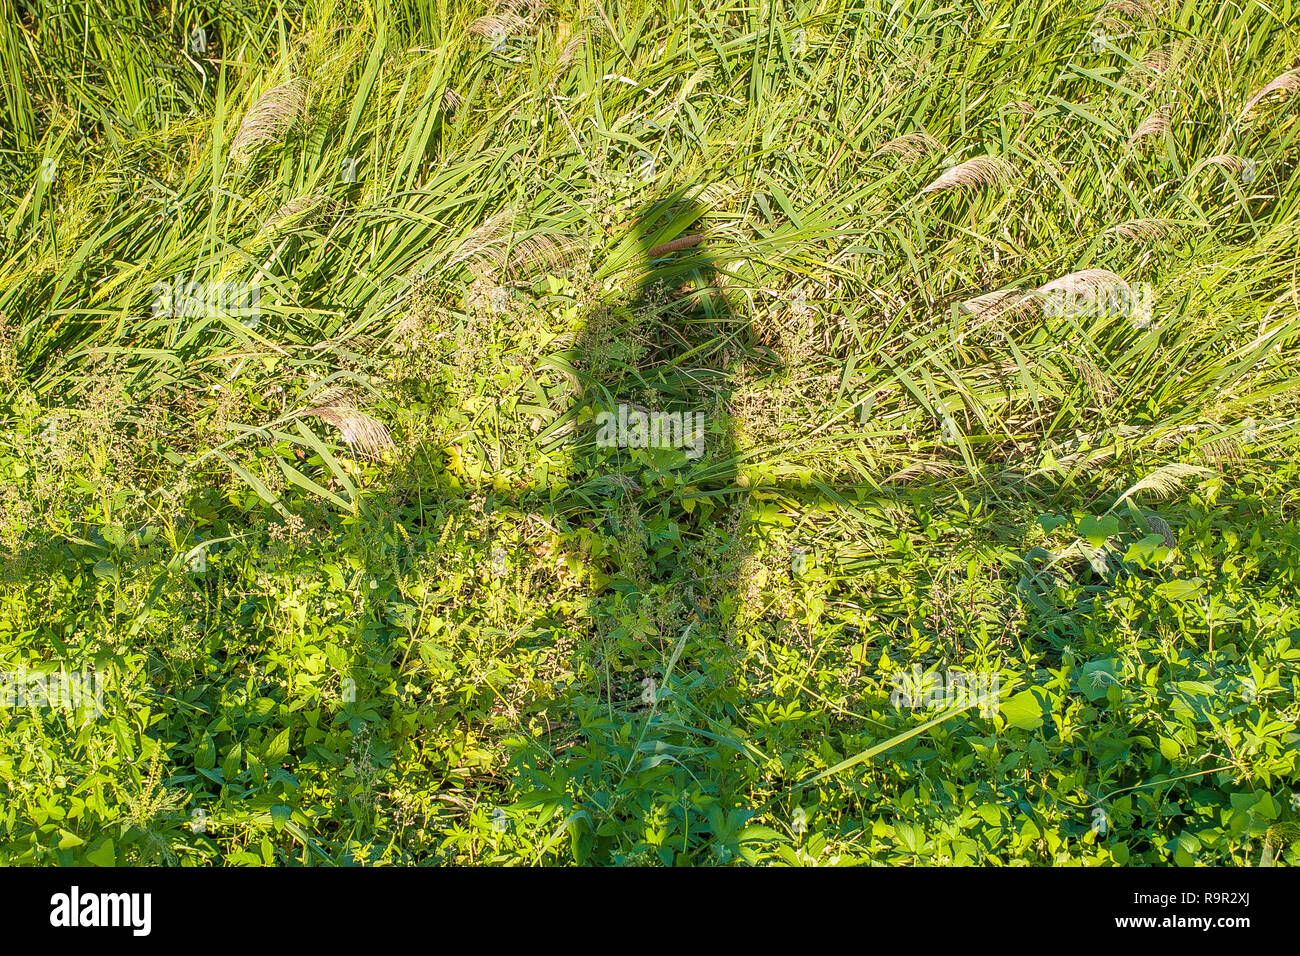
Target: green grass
[(360, 583)]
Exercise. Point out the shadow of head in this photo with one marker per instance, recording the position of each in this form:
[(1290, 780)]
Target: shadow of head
[(674, 263), (667, 322), (664, 344)]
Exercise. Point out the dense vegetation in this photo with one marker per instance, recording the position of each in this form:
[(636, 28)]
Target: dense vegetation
[(308, 313)]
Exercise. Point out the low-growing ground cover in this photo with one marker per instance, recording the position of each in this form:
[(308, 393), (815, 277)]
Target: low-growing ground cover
[(683, 433)]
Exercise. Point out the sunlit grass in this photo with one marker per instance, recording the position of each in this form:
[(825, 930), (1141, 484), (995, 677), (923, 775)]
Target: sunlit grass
[(835, 228)]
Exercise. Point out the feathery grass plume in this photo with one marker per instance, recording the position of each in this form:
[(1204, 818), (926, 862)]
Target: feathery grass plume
[(1085, 281), (497, 25), (1222, 452), (275, 112), (1165, 480), (1157, 62), (909, 147), (1226, 161), (920, 468), (1288, 81), (451, 100), (1003, 304), (716, 195), (1144, 230), (570, 52), (1154, 125), (1147, 11), (1160, 62), (364, 434), (309, 208), (541, 253), (1175, 62), (515, 6), (1097, 381), (484, 249), (1095, 286), (981, 171)]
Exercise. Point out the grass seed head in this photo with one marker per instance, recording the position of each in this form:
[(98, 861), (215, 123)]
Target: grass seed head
[(1288, 81), (1145, 230), (274, 114), (910, 147), (1154, 125), (981, 171), (364, 434)]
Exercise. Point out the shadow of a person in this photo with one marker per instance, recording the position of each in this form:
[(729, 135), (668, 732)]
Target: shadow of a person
[(656, 460), (656, 370), (653, 477)]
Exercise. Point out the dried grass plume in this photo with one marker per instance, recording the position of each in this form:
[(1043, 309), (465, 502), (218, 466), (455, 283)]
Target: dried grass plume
[(364, 434), (1154, 125), (909, 147), (275, 113), (1288, 81), (980, 171)]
